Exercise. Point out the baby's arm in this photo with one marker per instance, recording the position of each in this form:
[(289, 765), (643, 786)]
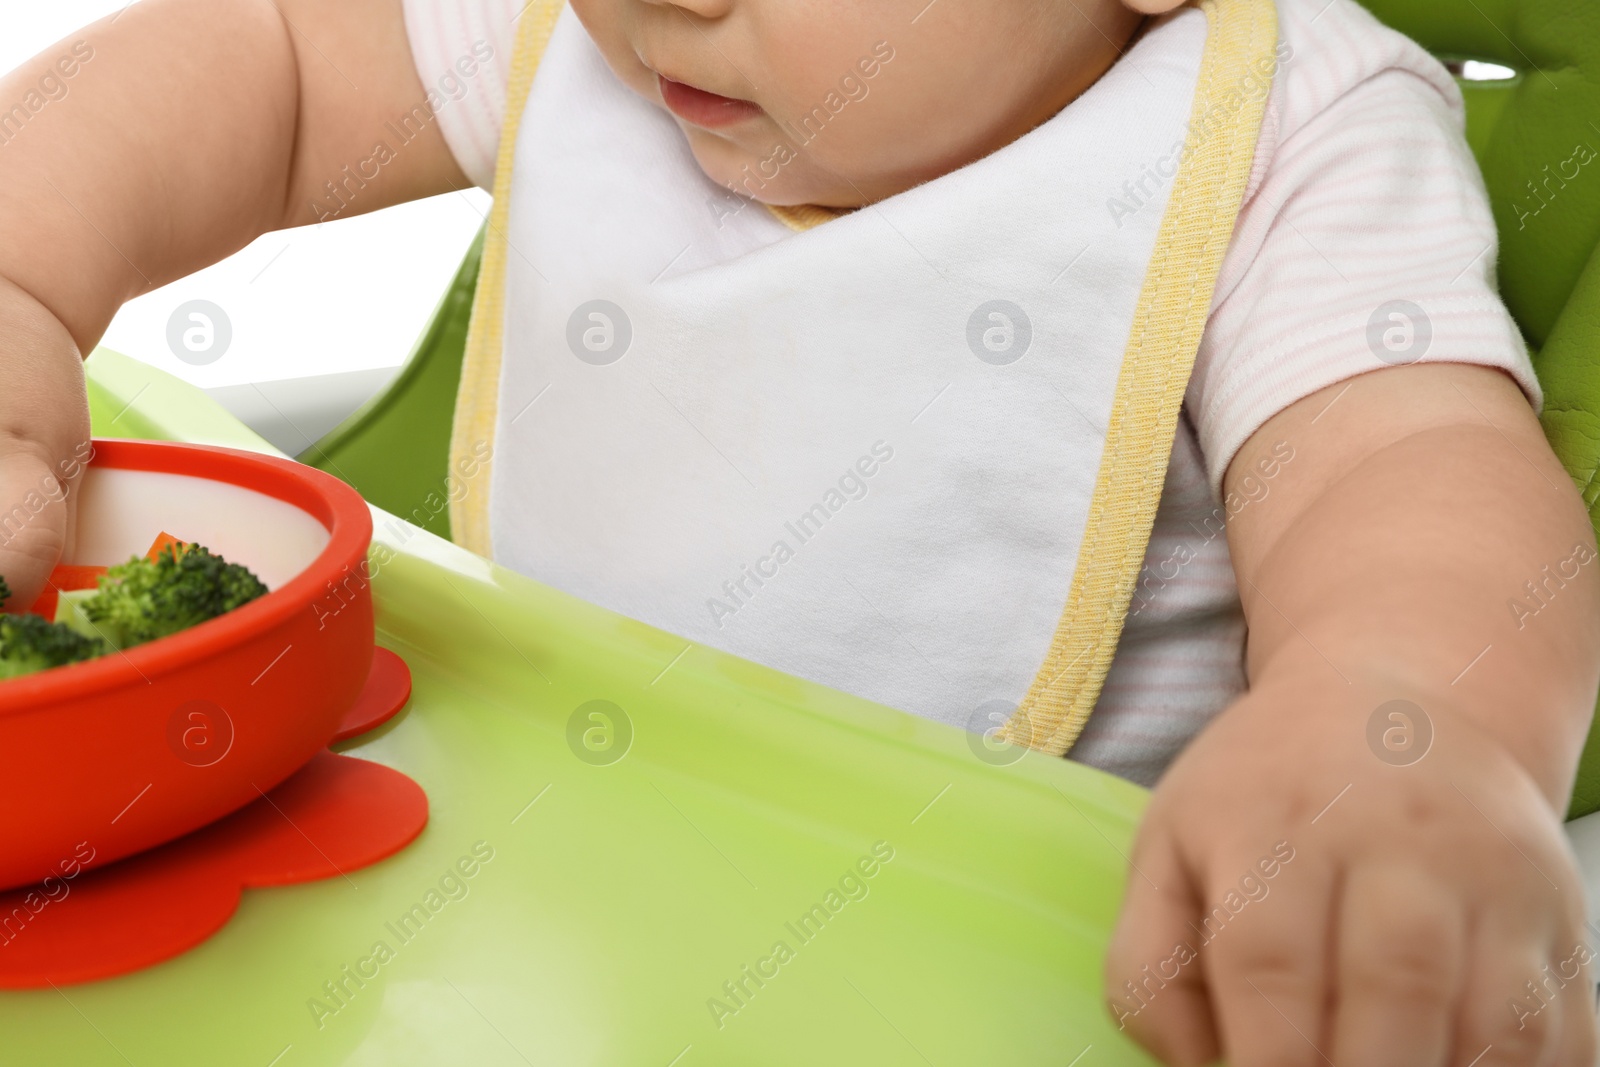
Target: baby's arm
[(1422, 896), (191, 128)]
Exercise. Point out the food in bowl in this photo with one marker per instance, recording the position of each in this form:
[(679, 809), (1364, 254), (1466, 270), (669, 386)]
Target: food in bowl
[(172, 587)]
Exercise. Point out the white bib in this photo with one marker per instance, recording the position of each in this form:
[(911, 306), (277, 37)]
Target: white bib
[(866, 454)]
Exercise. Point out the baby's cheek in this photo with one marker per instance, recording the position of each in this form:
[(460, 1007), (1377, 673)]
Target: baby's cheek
[(607, 22)]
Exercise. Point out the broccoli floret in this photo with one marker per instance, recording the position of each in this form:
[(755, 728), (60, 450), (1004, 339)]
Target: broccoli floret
[(70, 613), (30, 643), (185, 585), (139, 601)]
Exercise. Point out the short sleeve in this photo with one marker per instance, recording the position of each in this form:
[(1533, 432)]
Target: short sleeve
[(463, 50), (1366, 241)]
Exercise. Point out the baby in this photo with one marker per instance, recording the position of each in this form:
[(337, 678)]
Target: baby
[(998, 361)]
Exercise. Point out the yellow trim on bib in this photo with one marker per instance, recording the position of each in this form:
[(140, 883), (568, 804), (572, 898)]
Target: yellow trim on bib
[(1225, 123), (477, 398), (806, 216)]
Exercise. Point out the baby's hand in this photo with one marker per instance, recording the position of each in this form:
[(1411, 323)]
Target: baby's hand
[(44, 442), (1307, 890)]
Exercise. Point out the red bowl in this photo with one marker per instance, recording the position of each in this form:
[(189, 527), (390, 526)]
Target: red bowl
[(104, 759)]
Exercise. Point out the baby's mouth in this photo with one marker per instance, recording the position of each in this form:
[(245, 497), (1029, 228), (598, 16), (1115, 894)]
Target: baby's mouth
[(700, 108)]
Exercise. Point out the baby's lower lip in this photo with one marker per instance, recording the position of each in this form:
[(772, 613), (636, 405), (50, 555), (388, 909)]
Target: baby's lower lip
[(705, 109)]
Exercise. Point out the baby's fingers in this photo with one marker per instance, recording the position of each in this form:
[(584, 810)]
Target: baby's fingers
[(1576, 1043), (44, 442), (1523, 1003), (1266, 962), (1154, 985), (1401, 952), (35, 522)]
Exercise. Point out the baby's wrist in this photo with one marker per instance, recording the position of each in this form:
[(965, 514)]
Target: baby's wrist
[(1404, 702)]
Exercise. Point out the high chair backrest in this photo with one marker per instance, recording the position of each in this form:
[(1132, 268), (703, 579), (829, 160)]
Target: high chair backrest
[(396, 448), (1536, 134)]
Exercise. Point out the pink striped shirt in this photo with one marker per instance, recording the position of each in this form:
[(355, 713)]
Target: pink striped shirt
[(1365, 240)]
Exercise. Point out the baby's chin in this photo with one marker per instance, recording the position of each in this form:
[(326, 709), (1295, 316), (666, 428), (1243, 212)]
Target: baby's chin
[(780, 176)]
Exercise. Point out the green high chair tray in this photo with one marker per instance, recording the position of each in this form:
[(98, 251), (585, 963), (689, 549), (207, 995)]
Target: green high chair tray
[(644, 865), (720, 864)]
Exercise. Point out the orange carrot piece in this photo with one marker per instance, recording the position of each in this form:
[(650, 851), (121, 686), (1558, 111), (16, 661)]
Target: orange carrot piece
[(72, 576), (161, 542)]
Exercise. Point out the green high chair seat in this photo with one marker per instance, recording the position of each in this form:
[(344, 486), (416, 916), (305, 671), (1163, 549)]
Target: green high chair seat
[(396, 447), (1535, 135)]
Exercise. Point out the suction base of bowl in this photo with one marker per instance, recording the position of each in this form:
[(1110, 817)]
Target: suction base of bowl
[(333, 817)]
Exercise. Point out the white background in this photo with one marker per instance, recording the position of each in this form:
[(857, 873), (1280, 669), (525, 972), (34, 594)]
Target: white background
[(348, 295)]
